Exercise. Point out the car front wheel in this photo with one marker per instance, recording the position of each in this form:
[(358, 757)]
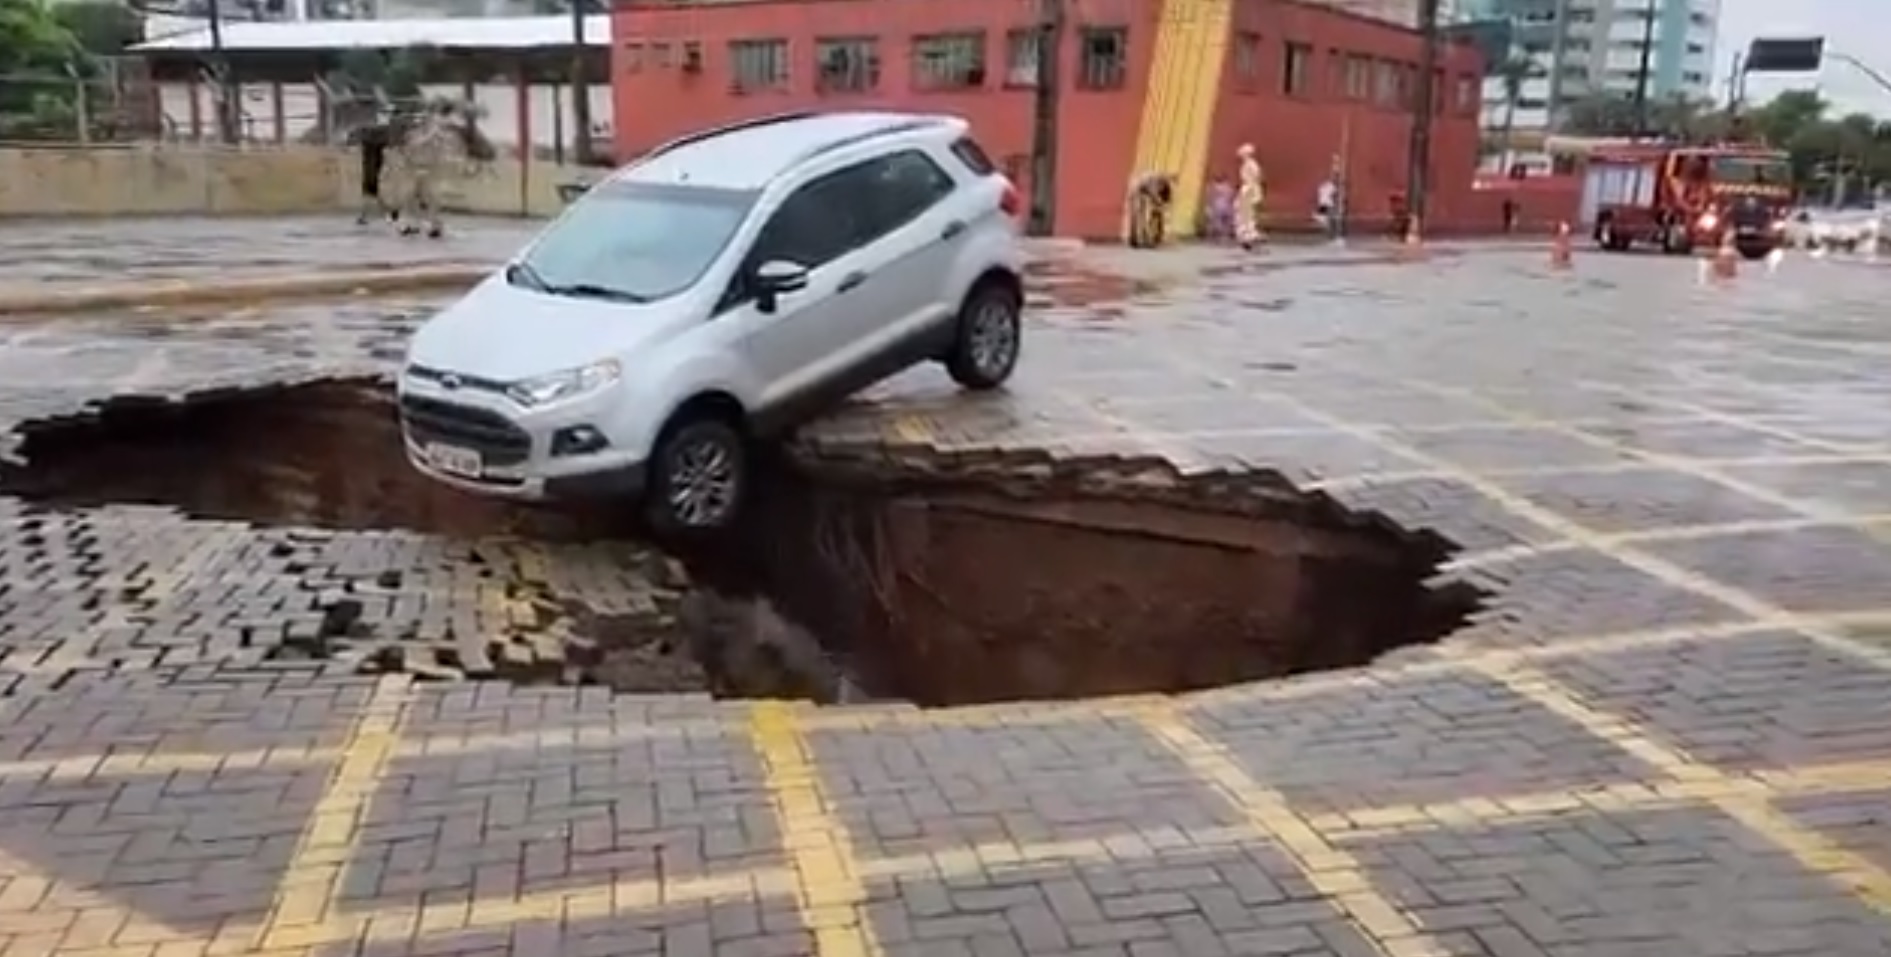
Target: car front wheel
[(986, 346), (698, 479)]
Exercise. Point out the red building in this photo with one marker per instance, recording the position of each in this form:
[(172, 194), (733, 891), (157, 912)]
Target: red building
[(1172, 85)]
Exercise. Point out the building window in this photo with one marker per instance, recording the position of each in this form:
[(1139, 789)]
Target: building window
[(846, 64), (1385, 83), (1104, 60), (1293, 69), (660, 55), (758, 65), (1021, 49), (1247, 58), (633, 57), (1358, 77), (949, 61), (1465, 97)]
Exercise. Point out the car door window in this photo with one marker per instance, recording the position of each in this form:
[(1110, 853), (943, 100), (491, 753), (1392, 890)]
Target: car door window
[(815, 225), (895, 189)]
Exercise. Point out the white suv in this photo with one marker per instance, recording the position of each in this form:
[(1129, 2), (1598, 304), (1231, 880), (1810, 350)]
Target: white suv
[(721, 288)]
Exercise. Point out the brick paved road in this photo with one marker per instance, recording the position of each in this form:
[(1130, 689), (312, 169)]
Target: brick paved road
[(35, 252), (1669, 735)]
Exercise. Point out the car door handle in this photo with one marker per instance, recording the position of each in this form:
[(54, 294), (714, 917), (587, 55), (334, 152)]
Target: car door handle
[(952, 229), (851, 280)]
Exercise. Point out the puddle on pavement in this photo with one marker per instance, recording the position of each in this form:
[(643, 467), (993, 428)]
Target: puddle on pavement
[(930, 582), (1055, 282)]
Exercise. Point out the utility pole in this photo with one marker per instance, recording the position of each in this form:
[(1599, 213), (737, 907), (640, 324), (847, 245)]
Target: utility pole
[(1641, 71), (226, 86), (580, 86), (1045, 102), (1736, 79), (1418, 160), (1559, 48)]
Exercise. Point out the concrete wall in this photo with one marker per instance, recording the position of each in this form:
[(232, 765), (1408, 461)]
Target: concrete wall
[(155, 181)]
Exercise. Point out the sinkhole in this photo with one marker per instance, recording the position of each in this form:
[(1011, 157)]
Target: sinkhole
[(937, 581)]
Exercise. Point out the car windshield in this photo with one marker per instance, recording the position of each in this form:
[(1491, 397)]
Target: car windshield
[(633, 242), (1762, 170)]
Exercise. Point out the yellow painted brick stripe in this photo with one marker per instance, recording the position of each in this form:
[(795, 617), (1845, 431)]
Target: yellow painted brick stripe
[(828, 885), (305, 900), (1179, 100), (1852, 873)]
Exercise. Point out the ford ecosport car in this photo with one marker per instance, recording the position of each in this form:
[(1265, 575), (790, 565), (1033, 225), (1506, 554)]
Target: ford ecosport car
[(721, 288)]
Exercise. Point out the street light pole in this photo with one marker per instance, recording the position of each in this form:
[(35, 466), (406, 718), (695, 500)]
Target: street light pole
[(1856, 64)]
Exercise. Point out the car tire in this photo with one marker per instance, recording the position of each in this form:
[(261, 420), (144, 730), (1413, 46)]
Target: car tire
[(699, 477), (988, 337)]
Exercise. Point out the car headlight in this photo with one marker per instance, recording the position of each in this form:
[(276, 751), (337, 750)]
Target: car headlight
[(1709, 220), (541, 390)]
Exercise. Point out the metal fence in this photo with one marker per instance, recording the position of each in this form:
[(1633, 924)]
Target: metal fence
[(103, 105)]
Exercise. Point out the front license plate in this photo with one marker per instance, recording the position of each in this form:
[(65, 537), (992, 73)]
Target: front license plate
[(455, 460)]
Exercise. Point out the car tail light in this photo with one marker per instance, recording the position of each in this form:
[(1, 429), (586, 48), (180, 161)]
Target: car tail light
[(1011, 202)]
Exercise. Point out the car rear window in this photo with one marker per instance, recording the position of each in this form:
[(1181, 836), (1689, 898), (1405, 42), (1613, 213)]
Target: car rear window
[(973, 156)]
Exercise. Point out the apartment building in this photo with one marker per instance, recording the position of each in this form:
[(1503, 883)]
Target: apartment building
[(1585, 47)]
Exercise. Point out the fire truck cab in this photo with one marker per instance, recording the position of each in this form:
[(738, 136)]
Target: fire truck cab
[(1678, 198)]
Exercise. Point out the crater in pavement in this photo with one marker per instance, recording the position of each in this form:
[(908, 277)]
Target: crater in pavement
[(932, 580)]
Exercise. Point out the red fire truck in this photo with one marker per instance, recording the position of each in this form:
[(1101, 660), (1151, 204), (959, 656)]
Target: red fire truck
[(1681, 197)]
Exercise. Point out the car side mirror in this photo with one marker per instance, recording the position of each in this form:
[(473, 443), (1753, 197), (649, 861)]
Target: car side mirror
[(775, 278)]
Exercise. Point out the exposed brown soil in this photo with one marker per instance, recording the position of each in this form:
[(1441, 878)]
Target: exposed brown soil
[(1020, 579), (934, 581), (323, 455)]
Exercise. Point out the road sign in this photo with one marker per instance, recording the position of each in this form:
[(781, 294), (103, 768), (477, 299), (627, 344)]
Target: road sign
[(1785, 55)]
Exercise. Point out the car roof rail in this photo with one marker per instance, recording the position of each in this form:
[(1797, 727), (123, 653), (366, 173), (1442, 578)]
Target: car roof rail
[(715, 131), (891, 129)]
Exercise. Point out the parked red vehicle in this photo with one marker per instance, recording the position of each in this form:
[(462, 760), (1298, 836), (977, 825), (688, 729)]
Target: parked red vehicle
[(1681, 197)]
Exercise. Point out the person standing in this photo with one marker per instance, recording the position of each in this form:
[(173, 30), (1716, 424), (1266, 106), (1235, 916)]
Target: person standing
[(1219, 221), (1149, 200), (1247, 199), (373, 141), (429, 148), (1326, 208)]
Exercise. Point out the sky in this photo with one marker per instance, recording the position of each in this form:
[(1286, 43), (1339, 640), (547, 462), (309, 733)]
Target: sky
[(1859, 28)]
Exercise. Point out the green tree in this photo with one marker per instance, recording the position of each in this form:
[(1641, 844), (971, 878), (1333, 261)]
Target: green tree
[(101, 27), (36, 52)]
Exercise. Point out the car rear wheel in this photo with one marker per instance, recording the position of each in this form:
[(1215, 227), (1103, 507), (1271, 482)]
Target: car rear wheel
[(988, 341), (699, 477)]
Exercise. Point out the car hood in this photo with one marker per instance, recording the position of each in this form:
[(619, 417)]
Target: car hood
[(505, 333)]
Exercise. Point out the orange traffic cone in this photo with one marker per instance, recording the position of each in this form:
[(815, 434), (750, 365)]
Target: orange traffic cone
[(1562, 252), (1726, 258)]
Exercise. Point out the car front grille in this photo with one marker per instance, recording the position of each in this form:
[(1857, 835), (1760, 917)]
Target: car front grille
[(497, 440)]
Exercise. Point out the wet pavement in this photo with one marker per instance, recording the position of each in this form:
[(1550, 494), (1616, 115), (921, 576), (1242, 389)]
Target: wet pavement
[(34, 253), (1669, 733)]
